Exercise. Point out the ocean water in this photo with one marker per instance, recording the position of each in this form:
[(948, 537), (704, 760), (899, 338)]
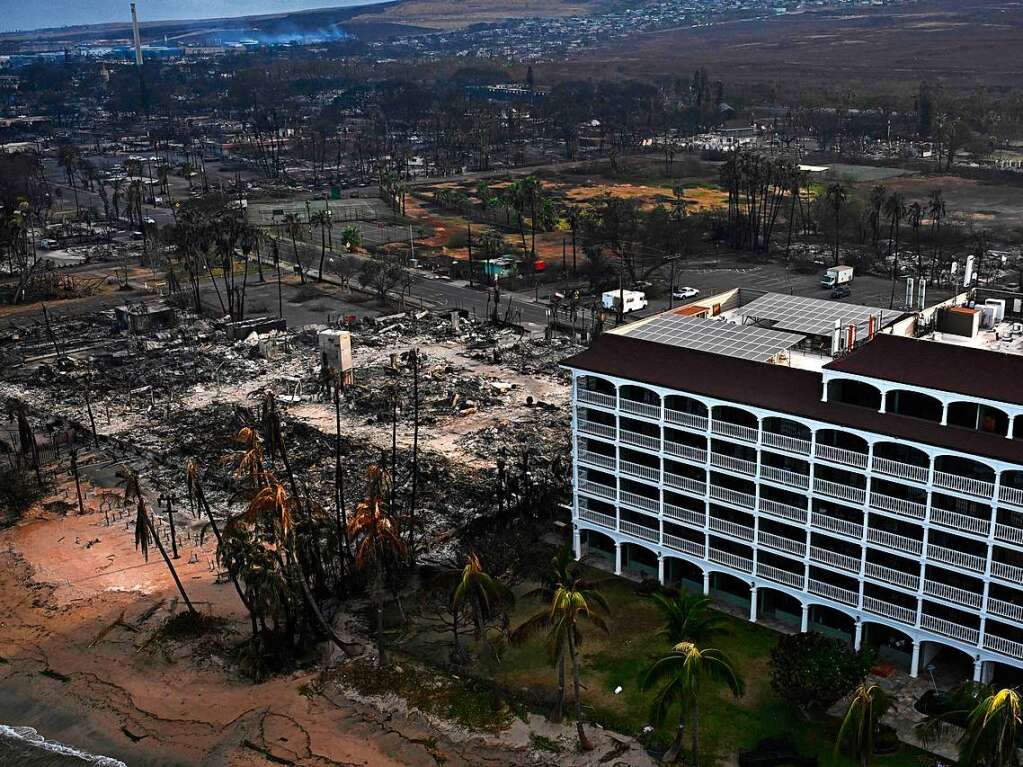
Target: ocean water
[(24, 747)]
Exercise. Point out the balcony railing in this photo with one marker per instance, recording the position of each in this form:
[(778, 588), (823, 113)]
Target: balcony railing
[(785, 477), (594, 488), (967, 485), (1009, 533), (688, 484), (606, 520), (746, 500), (640, 501), (738, 465), (895, 541), (597, 398), (635, 407), (957, 521), (783, 510), (900, 469), (736, 562), (835, 525), (838, 490), (893, 576), (1003, 645), (735, 431), (639, 531), (1004, 609), (889, 610), (842, 456), (685, 545), (779, 575), (639, 470), (950, 629), (833, 558), (956, 558), (688, 452), (640, 440), (689, 420), (690, 517), (1012, 495), (597, 459), (952, 593), (728, 527), (781, 543), (836, 593), (1007, 572), (783, 442), (900, 506), (595, 429)]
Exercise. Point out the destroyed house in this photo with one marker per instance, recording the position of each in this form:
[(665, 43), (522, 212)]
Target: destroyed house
[(143, 318)]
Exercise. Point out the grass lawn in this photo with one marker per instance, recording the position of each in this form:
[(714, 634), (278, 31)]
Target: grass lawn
[(618, 658)]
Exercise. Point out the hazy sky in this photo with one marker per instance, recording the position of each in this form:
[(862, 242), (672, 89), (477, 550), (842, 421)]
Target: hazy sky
[(17, 14)]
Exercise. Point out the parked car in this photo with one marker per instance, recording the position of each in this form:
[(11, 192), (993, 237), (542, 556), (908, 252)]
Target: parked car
[(841, 292), (684, 293)]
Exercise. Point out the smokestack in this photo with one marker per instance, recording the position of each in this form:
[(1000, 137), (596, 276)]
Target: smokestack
[(137, 37)]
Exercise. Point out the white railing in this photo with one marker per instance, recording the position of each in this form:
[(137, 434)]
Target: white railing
[(684, 545), (834, 525), (688, 452), (783, 442), (639, 408), (739, 465), (731, 528), (640, 440), (841, 455), (785, 477), (900, 469), (783, 510), (899, 506), (688, 484), (836, 593), (967, 485), (746, 500), (889, 610), (957, 521), (599, 517), (1003, 645), (779, 575), (1009, 533), (891, 575), (952, 593), (690, 517), (731, 560), (838, 490), (639, 531), (833, 558), (640, 501), (639, 470), (956, 558), (950, 629), (595, 429), (734, 430), (1011, 495), (782, 543), (1007, 572), (1009, 610), (595, 398), (593, 488), (895, 541), (597, 459), (698, 422)]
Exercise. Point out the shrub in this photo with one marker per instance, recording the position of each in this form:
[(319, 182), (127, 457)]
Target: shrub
[(813, 671), (19, 489)]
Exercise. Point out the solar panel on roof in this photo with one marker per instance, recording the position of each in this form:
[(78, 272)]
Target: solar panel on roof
[(810, 316), (743, 341)]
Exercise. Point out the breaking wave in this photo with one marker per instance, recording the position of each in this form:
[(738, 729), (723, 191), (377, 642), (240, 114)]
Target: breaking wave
[(25, 747)]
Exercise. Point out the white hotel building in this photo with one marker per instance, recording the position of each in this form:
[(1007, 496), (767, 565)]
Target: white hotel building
[(877, 492)]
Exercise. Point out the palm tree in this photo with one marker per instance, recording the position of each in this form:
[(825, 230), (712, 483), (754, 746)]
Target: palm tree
[(916, 217), (993, 732), (936, 210), (878, 195), (375, 533), (294, 227), (895, 211), (321, 218), (679, 677), (688, 617), (837, 197), (483, 594), (145, 533), (859, 729)]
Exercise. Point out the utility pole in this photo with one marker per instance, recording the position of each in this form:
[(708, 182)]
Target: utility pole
[(74, 473), (137, 41), (169, 499)]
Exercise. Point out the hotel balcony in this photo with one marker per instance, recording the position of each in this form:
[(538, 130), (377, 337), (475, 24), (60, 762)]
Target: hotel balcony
[(735, 424), (781, 570), (886, 568), (839, 490), (635, 400), (782, 510), (730, 523), (684, 510), (1009, 526), (686, 412), (826, 556), (965, 476), (894, 541), (889, 609), (685, 446), (842, 448), (1005, 602), (639, 433), (956, 551), (734, 458), (950, 629), (954, 594), (783, 434), (790, 542), (823, 521), (600, 399), (730, 559), (830, 585)]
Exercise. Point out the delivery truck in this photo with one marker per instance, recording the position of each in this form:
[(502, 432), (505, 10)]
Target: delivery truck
[(837, 275), (631, 300)]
